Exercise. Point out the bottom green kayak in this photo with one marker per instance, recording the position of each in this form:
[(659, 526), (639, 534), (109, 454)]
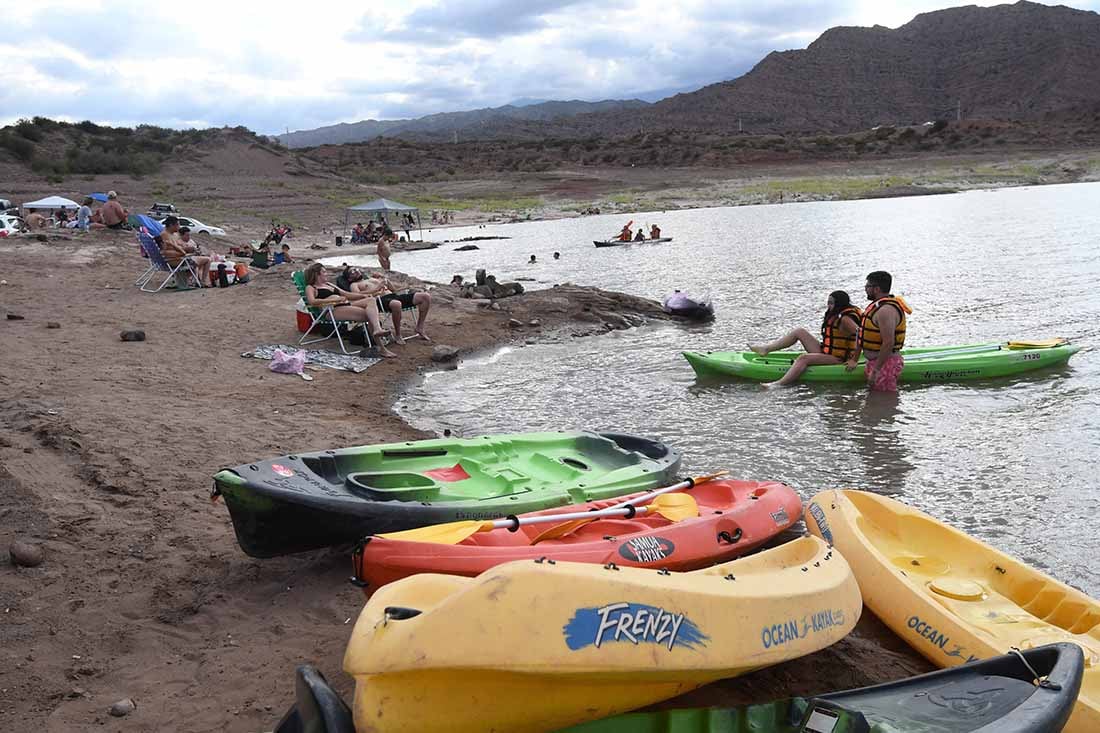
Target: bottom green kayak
[(932, 364)]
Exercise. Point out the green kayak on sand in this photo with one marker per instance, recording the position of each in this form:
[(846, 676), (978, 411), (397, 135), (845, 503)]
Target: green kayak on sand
[(322, 498), (929, 364)]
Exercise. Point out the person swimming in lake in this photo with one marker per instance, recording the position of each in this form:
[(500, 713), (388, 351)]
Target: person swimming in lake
[(532, 260), (839, 332)]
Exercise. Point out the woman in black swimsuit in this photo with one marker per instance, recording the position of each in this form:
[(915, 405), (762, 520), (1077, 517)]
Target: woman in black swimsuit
[(349, 306)]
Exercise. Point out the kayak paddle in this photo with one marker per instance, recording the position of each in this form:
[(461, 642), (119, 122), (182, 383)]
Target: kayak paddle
[(1011, 345), (569, 527), (452, 533)]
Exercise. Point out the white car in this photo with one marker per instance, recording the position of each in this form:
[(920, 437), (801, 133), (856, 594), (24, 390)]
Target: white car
[(196, 226), (10, 224)]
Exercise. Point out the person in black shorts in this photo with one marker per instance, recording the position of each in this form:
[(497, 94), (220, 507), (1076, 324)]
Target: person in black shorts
[(390, 299)]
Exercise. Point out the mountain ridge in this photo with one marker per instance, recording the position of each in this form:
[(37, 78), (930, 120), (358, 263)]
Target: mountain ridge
[(445, 124), (1022, 62)]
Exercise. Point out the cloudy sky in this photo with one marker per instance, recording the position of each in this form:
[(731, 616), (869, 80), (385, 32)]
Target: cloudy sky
[(274, 66)]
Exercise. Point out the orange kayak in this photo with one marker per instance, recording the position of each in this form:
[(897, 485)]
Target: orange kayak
[(734, 518)]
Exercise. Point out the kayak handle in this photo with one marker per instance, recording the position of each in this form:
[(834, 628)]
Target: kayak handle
[(725, 536), (400, 613)]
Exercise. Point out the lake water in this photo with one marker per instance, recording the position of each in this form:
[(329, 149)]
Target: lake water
[(1013, 462)]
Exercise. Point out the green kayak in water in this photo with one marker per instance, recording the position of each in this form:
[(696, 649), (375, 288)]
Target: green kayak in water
[(930, 364), (311, 500)]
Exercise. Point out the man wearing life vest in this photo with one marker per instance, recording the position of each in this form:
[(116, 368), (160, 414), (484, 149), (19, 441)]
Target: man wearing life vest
[(626, 235), (881, 334), (839, 330)]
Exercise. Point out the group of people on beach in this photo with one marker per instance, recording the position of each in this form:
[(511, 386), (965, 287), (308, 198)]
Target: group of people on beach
[(877, 332), (356, 297), (112, 215)]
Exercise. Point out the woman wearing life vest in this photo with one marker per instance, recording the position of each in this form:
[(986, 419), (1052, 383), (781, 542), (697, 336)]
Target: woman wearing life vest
[(839, 329), (881, 334)]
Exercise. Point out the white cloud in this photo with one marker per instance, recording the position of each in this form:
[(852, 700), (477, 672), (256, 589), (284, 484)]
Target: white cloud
[(215, 62)]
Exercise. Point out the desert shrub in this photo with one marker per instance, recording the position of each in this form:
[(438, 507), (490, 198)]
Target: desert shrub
[(46, 124), (89, 127), (28, 130), (20, 147)]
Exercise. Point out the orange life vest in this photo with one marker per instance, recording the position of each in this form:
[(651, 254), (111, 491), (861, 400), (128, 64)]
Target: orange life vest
[(835, 342), (870, 337)]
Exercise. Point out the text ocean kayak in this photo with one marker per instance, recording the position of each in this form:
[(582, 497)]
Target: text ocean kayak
[(953, 598), (311, 500), (734, 518), (931, 364), (991, 696), (535, 646)]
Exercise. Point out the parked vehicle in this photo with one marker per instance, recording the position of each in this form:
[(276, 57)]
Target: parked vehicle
[(10, 224), (159, 209), (196, 226)]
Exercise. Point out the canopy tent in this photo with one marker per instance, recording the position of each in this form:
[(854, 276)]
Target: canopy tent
[(52, 202), (383, 207), (100, 197)]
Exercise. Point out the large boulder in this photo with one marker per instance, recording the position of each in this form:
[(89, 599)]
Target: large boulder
[(444, 353)]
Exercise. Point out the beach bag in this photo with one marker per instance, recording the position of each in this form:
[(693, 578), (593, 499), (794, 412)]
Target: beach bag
[(355, 336), (284, 363)]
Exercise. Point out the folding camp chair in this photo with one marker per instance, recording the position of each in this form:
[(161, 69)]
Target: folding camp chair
[(384, 311), (159, 264), (325, 317)]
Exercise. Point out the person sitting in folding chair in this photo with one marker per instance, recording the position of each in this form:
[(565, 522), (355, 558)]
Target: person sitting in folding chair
[(348, 305), (393, 301), (175, 250)]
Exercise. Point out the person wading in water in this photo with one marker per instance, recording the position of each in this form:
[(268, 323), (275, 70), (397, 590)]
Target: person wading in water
[(881, 334)]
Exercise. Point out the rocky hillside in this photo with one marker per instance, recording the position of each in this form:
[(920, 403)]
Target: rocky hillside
[(1012, 62), (470, 125)]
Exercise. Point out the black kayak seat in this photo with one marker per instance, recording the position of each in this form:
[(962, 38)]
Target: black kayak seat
[(317, 707)]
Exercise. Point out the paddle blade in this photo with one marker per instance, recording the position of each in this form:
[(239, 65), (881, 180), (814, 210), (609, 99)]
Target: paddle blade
[(561, 530), (1044, 344), (674, 507), (441, 534)]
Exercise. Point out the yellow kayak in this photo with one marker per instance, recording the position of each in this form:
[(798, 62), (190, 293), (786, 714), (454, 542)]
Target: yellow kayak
[(952, 598), (534, 646)]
